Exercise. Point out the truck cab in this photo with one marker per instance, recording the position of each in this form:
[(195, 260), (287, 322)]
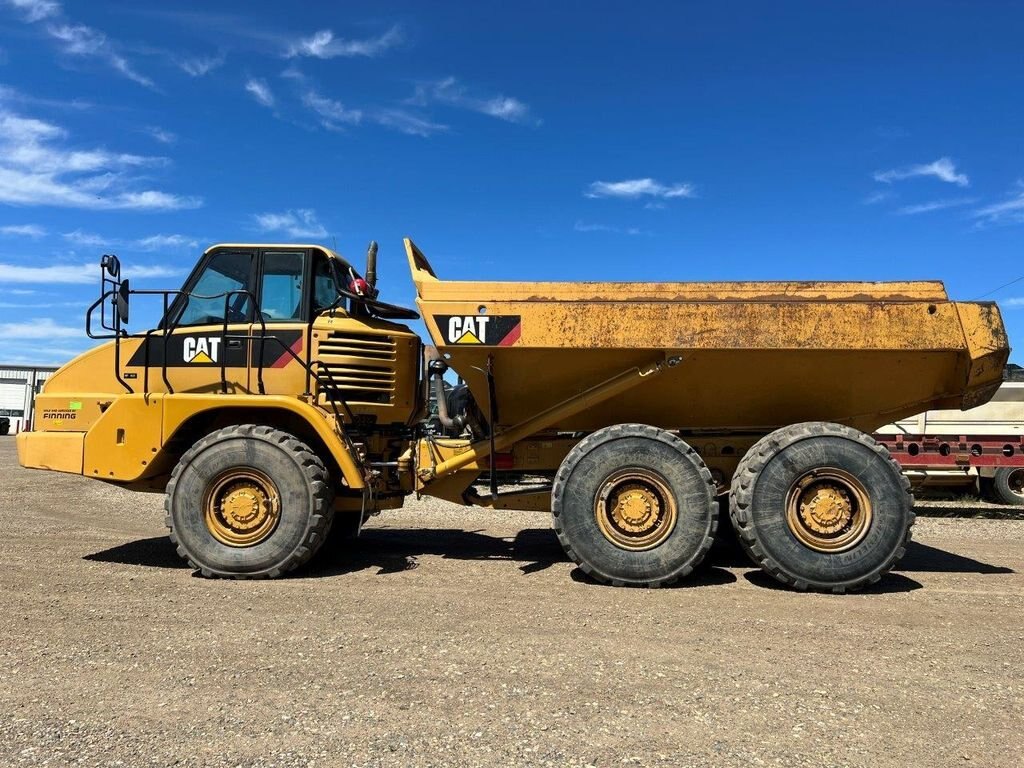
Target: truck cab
[(252, 325)]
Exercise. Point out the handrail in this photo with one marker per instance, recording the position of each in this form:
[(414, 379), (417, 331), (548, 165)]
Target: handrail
[(117, 333)]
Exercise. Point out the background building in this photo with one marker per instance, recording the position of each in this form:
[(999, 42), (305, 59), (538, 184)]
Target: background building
[(18, 385)]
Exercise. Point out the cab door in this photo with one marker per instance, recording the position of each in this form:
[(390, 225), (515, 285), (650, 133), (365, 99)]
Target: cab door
[(199, 354), (284, 317)]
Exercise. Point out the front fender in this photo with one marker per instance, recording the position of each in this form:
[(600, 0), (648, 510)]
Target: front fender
[(178, 408)]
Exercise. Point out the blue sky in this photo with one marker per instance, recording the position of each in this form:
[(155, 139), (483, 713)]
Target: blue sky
[(520, 141)]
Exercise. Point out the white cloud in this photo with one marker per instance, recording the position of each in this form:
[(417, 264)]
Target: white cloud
[(164, 243), (13, 95), (200, 66), (36, 168), (35, 10), (23, 230), (298, 223), (407, 122), (154, 200), (86, 239), (77, 39), (74, 274), (331, 112), (878, 197), (80, 40), (44, 304), (324, 45), (942, 169), (450, 92), (41, 328), (260, 91), (161, 135), (1009, 211), (935, 205), (632, 189), (585, 227), (151, 243), (1017, 301)]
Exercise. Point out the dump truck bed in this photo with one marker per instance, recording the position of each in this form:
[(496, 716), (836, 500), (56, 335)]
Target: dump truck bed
[(754, 356)]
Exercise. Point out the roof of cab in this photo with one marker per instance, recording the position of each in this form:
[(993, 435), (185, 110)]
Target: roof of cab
[(324, 248)]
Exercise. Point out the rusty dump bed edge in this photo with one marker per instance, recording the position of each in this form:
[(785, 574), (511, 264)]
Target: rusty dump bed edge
[(430, 288), (436, 290)]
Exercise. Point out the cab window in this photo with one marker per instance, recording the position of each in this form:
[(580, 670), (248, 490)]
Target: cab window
[(225, 271), (283, 280), (325, 291)]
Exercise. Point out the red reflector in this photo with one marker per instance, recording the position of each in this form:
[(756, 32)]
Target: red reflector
[(504, 461)]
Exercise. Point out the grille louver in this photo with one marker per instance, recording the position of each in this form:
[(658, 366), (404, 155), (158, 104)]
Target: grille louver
[(358, 367)]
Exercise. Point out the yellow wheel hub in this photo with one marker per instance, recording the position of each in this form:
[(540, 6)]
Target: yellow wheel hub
[(635, 509), (828, 510), (241, 507)]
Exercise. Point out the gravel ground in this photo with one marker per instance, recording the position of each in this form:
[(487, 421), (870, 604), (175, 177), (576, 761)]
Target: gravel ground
[(450, 636)]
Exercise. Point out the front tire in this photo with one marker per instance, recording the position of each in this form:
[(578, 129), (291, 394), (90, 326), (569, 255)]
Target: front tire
[(634, 506), (821, 507), (248, 501)]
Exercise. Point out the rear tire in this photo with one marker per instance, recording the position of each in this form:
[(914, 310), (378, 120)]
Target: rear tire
[(248, 501), (821, 507), (1008, 486), (634, 506)]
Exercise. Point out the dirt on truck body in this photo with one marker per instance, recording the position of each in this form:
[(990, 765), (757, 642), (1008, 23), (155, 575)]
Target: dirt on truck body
[(280, 400)]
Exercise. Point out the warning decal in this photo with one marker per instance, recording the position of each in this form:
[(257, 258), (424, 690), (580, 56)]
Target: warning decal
[(487, 330)]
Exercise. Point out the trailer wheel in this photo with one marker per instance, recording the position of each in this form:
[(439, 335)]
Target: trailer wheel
[(248, 502), (634, 506), (1008, 486), (821, 507)]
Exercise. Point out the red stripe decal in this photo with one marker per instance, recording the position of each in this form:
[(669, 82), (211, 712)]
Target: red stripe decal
[(512, 336), (285, 358)]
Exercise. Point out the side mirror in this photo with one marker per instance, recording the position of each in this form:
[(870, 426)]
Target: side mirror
[(121, 301), (111, 265)]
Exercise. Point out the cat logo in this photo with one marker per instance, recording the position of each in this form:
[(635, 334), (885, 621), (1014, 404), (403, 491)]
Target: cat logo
[(467, 330), (487, 330), (200, 349)]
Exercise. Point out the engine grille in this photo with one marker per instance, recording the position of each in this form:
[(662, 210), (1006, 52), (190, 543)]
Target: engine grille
[(357, 367)]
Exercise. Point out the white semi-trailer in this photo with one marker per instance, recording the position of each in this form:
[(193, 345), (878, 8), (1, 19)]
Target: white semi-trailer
[(981, 448)]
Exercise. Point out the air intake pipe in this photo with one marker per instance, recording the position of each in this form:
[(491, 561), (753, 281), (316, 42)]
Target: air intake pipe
[(437, 368)]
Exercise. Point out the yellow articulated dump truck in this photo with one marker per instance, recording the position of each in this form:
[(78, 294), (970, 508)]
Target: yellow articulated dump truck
[(279, 396)]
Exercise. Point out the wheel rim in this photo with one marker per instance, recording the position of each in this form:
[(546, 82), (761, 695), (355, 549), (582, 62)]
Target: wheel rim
[(241, 507), (1015, 482), (635, 509), (828, 510)]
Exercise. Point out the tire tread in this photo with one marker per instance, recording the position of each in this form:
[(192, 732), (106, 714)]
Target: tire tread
[(317, 477), (741, 492), (590, 442)]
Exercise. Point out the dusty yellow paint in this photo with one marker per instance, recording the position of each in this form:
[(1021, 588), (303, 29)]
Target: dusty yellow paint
[(179, 408), (125, 439), (756, 355), (622, 382), (59, 451)]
